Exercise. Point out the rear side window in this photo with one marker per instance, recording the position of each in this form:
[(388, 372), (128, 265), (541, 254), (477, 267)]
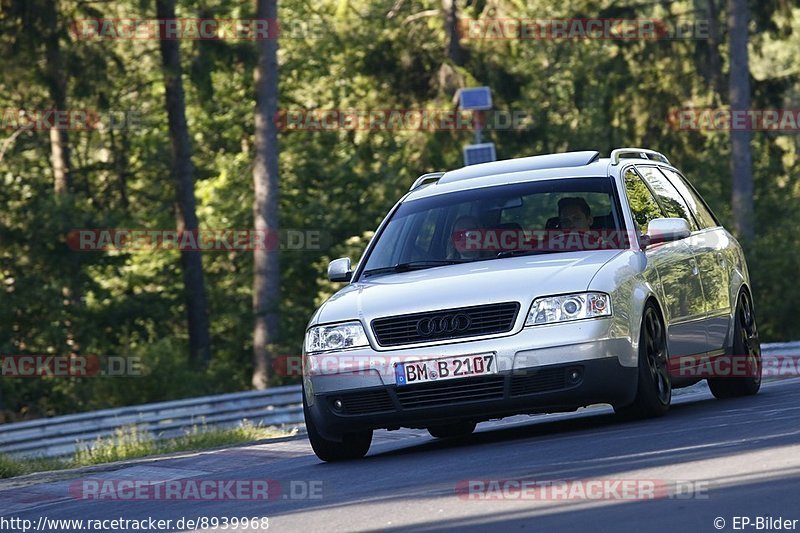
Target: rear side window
[(668, 196), (704, 216), (643, 205)]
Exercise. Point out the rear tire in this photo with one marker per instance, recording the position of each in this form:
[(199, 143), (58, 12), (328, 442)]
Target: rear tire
[(453, 430), (354, 445), (745, 344), (654, 389)]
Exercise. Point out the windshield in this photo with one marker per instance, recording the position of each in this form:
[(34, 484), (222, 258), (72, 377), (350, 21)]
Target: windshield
[(558, 215)]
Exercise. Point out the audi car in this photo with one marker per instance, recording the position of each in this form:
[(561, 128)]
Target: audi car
[(532, 285)]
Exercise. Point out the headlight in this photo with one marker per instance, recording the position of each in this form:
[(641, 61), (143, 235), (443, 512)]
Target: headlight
[(568, 307), (335, 337)]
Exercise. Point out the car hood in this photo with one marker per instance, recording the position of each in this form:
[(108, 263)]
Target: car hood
[(519, 279)]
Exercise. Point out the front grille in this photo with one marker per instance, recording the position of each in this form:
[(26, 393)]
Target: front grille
[(540, 380), (361, 403), (446, 324), (448, 392)]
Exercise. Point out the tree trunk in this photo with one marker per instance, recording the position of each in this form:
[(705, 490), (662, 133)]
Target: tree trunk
[(715, 77), (183, 174), (266, 279), (57, 87), (56, 79), (454, 51), (739, 91)]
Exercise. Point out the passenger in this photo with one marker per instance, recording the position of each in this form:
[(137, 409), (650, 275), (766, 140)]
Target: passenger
[(458, 242)]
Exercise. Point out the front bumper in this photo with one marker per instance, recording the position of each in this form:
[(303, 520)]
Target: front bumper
[(535, 374), (552, 388)]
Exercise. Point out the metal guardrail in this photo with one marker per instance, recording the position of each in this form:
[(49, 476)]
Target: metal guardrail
[(282, 407), (781, 348), (61, 436)]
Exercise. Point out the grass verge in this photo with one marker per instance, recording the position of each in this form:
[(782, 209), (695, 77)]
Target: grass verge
[(131, 443)]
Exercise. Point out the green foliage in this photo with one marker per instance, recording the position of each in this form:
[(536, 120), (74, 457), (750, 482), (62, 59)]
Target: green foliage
[(131, 443), (353, 55), (11, 467)]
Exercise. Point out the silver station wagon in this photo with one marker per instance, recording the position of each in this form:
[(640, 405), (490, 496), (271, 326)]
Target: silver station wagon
[(532, 285)]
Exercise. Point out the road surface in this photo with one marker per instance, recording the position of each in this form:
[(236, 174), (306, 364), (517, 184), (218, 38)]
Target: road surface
[(707, 459)]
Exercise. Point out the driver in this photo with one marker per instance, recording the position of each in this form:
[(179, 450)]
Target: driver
[(574, 214)]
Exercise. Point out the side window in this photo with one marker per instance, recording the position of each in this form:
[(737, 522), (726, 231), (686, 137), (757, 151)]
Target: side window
[(674, 205), (704, 216), (643, 205)]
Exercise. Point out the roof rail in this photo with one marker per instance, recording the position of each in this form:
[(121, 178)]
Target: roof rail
[(425, 179), (637, 153)]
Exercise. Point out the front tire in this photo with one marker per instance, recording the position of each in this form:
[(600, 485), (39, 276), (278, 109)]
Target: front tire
[(745, 344), (654, 390), (354, 445)]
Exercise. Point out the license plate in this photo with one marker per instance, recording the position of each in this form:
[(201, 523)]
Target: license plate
[(460, 366)]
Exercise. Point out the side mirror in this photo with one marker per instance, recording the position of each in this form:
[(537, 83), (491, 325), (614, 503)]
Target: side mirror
[(339, 269), (665, 230)]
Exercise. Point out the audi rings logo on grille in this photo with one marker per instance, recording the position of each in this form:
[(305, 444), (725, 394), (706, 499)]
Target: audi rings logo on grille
[(443, 325)]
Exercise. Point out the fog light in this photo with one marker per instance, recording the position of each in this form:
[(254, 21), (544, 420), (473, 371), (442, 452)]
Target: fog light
[(337, 404), (574, 375)]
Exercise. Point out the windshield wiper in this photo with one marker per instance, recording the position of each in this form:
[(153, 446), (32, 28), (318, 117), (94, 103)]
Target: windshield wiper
[(411, 265), (517, 253)]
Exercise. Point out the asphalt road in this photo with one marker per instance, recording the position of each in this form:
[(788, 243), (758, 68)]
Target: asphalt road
[(733, 458)]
